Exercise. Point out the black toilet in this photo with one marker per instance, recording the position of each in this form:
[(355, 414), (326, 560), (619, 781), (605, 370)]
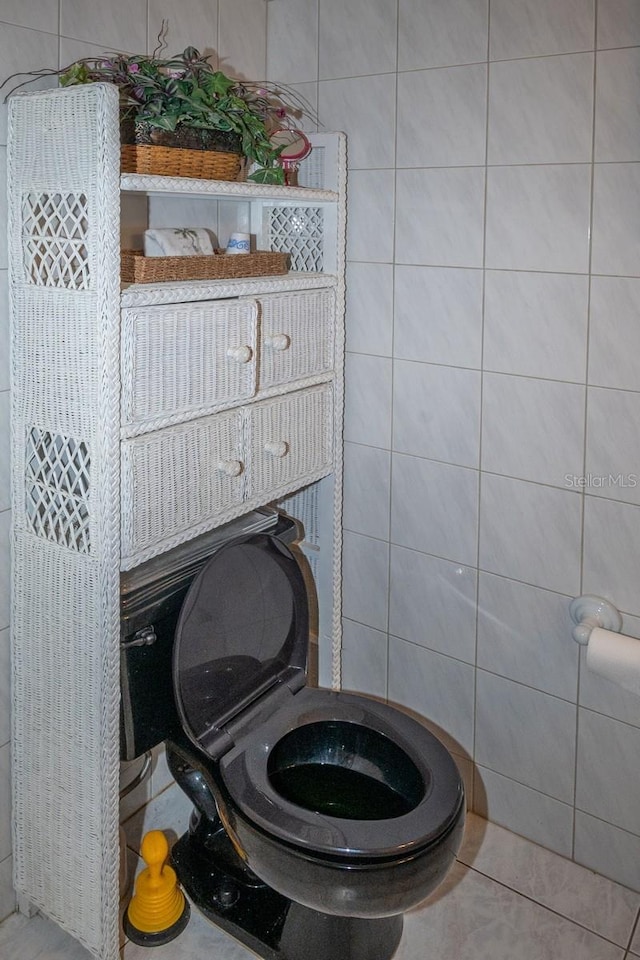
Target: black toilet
[(319, 817)]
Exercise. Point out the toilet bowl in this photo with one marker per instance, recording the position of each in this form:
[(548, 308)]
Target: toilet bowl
[(319, 817)]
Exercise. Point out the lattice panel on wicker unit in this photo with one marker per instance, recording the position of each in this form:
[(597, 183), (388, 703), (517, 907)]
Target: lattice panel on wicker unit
[(57, 489), (298, 231), (312, 173), (54, 239)]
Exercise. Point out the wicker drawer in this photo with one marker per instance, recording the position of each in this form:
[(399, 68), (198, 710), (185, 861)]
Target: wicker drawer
[(187, 358), (296, 336), (290, 441), (174, 480)]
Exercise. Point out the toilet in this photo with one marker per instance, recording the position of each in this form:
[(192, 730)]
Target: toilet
[(319, 817)]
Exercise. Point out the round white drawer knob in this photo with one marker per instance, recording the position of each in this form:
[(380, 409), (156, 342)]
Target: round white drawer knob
[(278, 341), (230, 468), (276, 448), (240, 354)]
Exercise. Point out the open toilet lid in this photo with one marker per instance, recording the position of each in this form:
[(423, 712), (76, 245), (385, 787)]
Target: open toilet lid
[(242, 629)]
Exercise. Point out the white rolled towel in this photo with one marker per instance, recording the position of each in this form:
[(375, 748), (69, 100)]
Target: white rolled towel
[(616, 657), (178, 242)]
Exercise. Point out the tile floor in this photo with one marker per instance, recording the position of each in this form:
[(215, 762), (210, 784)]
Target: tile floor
[(505, 899)]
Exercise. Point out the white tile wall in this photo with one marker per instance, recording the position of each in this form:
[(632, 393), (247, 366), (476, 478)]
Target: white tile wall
[(371, 103), (524, 634), (368, 400), (528, 812), (537, 28), (343, 27), (434, 508), (195, 24), (440, 117), (435, 686), (117, 25), (532, 429), (530, 532), (618, 23), (366, 580), (292, 50), (433, 603), (38, 14), (541, 110), (618, 111), (613, 435), (438, 315), (436, 412), (242, 27), (608, 753), (616, 207), (367, 489), (441, 33), (525, 734), (364, 659), (538, 217), (501, 261), (535, 324), (370, 216), (370, 306), (611, 532), (439, 216), (614, 337), (7, 893), (609, 850)]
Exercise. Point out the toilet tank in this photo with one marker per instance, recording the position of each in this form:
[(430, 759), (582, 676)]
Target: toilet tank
[(151, 597)]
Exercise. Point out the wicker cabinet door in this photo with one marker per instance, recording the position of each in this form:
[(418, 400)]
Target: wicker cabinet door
[(179, 482), (296, 336), (291, 441), (180, 360)]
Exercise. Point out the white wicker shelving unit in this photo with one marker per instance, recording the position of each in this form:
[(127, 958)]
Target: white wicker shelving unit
[(142, 417)]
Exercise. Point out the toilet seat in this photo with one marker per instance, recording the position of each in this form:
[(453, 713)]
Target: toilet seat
[(239, 682), (244, 771)]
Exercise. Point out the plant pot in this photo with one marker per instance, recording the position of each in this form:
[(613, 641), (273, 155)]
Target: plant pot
[(183, 137), (184, 152)]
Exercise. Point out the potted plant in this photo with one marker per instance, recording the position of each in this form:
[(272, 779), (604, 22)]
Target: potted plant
[(183, 102)]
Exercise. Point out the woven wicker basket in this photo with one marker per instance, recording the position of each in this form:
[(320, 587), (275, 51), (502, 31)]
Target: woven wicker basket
[(184, 152), (177, 162), (136, 268)]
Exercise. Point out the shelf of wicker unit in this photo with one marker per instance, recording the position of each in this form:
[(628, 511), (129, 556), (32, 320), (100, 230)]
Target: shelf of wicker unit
[(148, 294), (244, 189), (136, 268)]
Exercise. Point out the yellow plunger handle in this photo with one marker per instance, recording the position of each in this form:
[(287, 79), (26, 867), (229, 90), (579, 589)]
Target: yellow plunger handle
[(154, 851)]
